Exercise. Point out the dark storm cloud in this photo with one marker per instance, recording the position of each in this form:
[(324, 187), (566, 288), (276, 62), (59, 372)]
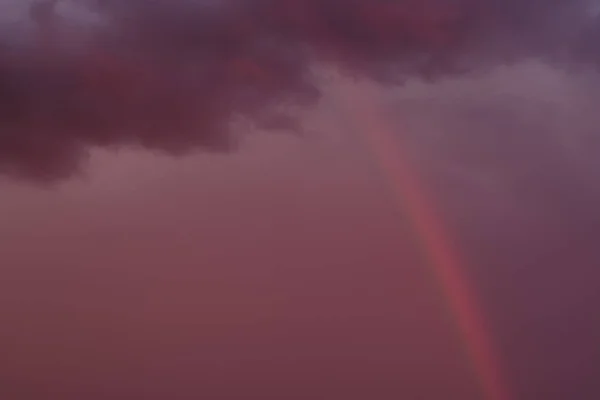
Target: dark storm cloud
[(174, 75)]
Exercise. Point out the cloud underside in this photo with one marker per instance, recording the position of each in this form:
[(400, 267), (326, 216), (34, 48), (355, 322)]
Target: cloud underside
[(179, 75)]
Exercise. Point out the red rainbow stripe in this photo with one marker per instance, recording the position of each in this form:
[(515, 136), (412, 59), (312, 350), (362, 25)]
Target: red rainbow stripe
[(445, 263)]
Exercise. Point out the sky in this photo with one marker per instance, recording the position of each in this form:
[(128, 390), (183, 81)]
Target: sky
[(188, 209)]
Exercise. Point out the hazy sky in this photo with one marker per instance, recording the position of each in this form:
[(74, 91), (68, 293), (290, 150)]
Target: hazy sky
[(136, 264), (282, 271)]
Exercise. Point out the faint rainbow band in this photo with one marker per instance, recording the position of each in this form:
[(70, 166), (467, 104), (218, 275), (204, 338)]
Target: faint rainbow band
[(361, 106)]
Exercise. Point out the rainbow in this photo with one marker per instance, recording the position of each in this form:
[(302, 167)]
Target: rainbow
[(361, 106)]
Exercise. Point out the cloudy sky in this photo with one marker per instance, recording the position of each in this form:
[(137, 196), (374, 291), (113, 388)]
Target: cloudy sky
[(188, 207)]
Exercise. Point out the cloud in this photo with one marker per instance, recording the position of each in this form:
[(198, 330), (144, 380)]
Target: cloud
[(179, 75)]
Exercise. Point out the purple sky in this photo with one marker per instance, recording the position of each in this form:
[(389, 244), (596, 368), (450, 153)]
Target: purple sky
[(283, 271), (133, 264)]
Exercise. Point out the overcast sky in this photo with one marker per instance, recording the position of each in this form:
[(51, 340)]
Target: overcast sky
[(158, 258)]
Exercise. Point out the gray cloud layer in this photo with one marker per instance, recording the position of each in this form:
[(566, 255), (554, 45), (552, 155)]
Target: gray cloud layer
[(174, 75)]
